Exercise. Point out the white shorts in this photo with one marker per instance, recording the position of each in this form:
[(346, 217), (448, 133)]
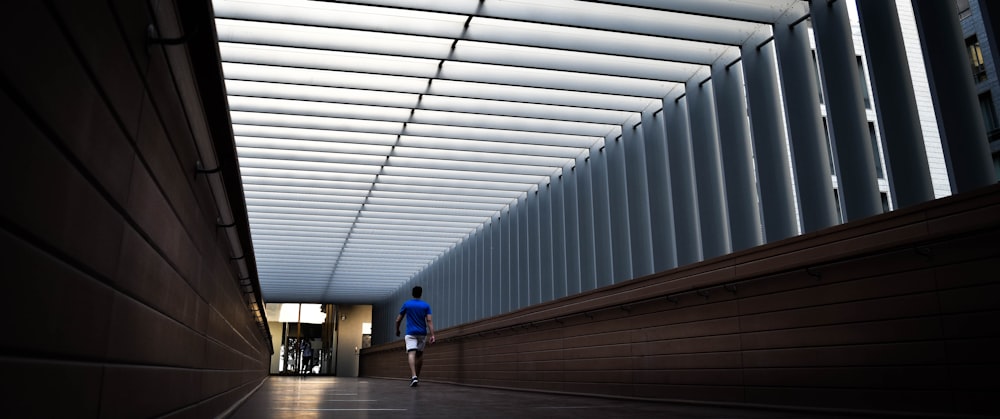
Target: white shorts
[(415, 342)]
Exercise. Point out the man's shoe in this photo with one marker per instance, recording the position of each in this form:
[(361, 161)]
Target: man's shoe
[(413, 381)]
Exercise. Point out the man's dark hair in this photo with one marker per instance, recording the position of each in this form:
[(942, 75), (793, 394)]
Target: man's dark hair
[(417, 292)]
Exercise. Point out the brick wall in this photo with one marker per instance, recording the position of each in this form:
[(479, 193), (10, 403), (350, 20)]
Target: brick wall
[(897, 313), (120, 296)]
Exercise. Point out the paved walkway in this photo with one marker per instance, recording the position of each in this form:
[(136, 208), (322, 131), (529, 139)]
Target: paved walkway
[(335, 397)]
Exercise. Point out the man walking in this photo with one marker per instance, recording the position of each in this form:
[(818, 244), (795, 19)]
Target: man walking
[(418, 327)]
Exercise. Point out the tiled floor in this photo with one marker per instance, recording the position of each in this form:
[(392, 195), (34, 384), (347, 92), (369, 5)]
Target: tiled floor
[(334, 397)]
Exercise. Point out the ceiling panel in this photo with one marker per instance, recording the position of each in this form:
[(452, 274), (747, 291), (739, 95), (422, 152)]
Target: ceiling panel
[(375, 135)]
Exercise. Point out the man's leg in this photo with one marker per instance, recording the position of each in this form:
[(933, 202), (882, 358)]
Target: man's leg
[(419, 362), (414, 363)]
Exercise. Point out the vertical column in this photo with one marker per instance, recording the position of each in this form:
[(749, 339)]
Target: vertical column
[(534, 251), (682, 187), (640, 227), (585, 223), (618, 203), (661, 213), (508, 243), (486, 262), (571, 203), (800, 88), (470, 279), (603, 249), (481, 266), (475, 279), (455, 287), (448, 288), (545, 254), (463, 280), (967, 151), (497, 265), (777, 197), (558, 242), (711, 194), (896, 105), (523, 253), (737, 156), (845, 111)]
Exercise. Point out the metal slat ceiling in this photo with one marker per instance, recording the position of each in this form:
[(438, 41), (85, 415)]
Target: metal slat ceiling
[(373, 136)]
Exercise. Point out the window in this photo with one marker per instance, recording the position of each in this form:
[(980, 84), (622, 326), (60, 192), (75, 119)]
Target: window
[(975, 59), (829, 145), (875, 151), (964, 10), (989, 114), (836, 199), (864, 83), (819, 84)]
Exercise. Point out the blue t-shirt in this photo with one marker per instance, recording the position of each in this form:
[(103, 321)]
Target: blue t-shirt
[(416, 312)]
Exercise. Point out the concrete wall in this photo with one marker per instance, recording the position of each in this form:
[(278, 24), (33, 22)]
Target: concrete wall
[(895, 313), (117, 282), (348, 343)]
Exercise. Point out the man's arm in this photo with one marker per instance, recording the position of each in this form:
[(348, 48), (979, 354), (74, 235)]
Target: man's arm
[(430, 328), (399, 319)]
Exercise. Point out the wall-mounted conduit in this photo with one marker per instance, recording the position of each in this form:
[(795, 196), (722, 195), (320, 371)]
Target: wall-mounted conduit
[(209, 165)]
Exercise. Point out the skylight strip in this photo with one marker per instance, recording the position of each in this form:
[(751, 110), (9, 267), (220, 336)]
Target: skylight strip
[(307, 175), (374, 203), (480, 165), (471, 198), (313, 122), (523, 179), (450, 70), (267, 183), (319, 194), (278, 252), (425, 130), (403, 154), (416, 185), (414, 143), (419, 116), (395, 249), (283, 211), (485, 29), (452, 237), (327, 167), (276, 214), (370, 274), (292, 268), (459, 213), (258, 154), (436, 87), (296, 262), (311, 146), (389, 98), (760, 11), (432, 242), (352, 204), (256, 191), (407, 225), (326, 253), (589, 15), (500, 135), (293, 133), (472, 52), (276, 233), (320, 94), (470, 221), (330, 38), (428, 181)]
